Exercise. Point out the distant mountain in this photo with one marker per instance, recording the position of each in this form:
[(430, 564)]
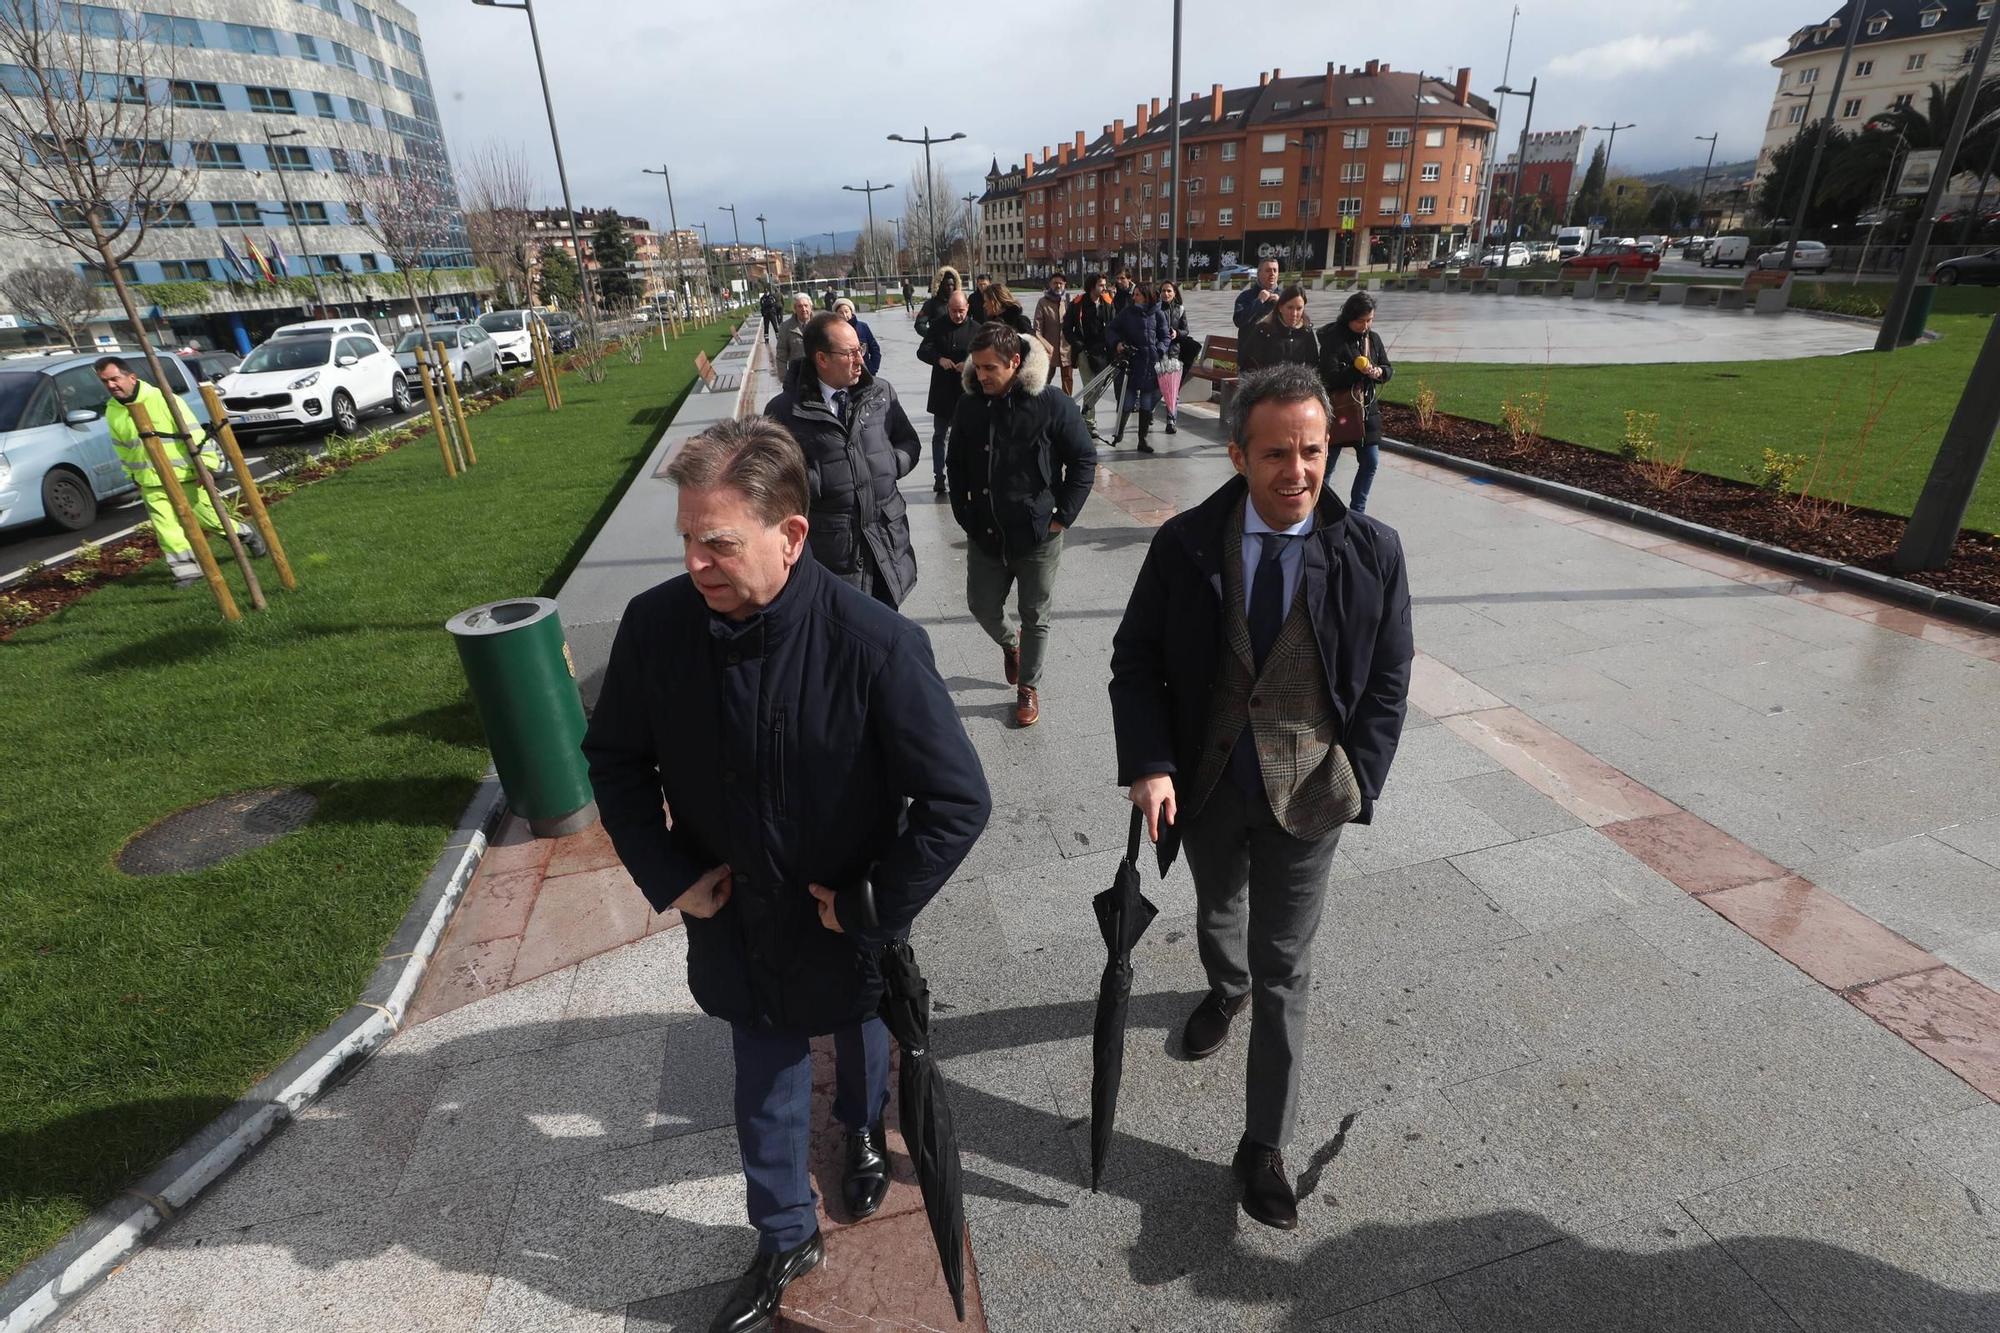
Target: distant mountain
[(1689, 178)]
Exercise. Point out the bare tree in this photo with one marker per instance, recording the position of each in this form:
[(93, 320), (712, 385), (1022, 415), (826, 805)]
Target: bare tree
[(87, 141), (406, 206), (930, 217), (54, 297), (500, 192)]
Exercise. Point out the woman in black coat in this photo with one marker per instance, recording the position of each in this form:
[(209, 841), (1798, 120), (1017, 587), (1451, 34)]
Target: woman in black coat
[(1177, 329), (1140, 340), (997, 305), (1341, 344), (1281, 336)]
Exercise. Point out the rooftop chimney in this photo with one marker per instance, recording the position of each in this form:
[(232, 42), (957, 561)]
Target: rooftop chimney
[(1215, 104), (1156, 106), (1118, 131), (1277, 73), (1140, 119), (1027, 164), (1062, 158), (1326, 97), (1078, 150), (1464, 93), (1385, 67), (1264, 79), (1374, 67)]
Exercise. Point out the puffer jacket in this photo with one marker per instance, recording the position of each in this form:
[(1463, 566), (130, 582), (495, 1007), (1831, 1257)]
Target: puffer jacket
[(1018, 462), (860, 525), (933, 307), (946, 341), (1139, 338), (1267, 342)]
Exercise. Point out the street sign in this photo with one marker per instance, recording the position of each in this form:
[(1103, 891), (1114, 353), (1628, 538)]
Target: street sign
[(1405, 224), (1599, 220), (1347, 221), (1919, 166)]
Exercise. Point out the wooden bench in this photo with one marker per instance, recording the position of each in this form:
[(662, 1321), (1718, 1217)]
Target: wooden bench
[(1769, 288), (1581, 280), (1470, 277), (712, 380), (1217, 366)]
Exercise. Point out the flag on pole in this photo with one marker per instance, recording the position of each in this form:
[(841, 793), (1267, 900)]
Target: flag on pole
[(257, 257), (235, 261), (278, 259)]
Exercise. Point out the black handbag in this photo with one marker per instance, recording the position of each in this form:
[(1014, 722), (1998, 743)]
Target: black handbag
[(1188, 349)]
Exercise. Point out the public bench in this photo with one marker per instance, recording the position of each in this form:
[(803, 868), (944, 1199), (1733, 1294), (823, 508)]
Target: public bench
[(713, 380), (1217, 366), (1580, 280), (1769, 288)]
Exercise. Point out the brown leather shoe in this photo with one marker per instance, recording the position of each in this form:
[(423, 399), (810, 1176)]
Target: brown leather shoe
[(1267, 1191), (1208, 1026), (1010, 663), (1027, 707)]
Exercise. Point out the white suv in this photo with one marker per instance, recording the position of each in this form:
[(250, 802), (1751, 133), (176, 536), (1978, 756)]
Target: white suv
[(314, 381), (350, 325), (510, 331)]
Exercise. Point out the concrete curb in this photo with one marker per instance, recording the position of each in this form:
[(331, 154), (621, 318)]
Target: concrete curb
[(96, 1246), (1917, 597)]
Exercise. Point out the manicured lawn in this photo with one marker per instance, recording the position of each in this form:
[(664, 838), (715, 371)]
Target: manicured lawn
[(134, 1010), (1733, 412)]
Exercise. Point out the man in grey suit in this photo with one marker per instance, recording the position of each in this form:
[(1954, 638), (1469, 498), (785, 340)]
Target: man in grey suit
[(1259, 680)]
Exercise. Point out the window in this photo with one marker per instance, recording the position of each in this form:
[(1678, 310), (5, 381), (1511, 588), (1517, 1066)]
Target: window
[(1227, 185), (169, 215), (1147, 190), (343, 55), (96, 273), (1270, 178), (331, 6), (1807, 76), (331, 264), (308, 214), (1901, 100), (1427, 203), (357, 111), (370, 264), (364, 19), (133, 152), (195, 96), (1876, 27), (290, 157), (1196, 152), (377, 70), (251, 40), (168, 30), (218, 156), (1194, 185), (308, 48), (91, 21), (1270, 208), (1146, 162), (1929, 18), (1274, 143), (1225, 217), (1229, 152), (1433, 171), (1863, 68), (1399, 138), (1392, 171), (324, 105), (272, 101), (186, 270), (1914, 63), (1194, 217), (1850, 108), (1386, 205), (1351, 172), (1794, 114), (1433, 138), (237, 213), (1349, 205), (409, 39), (128, 88), (1361, 101), (1353, 139)]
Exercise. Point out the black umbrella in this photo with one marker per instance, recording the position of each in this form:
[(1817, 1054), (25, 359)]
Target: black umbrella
[(926, 1115), (1123, 913)]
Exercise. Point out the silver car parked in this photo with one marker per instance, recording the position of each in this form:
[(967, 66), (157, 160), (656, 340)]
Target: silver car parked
[(469, 349)]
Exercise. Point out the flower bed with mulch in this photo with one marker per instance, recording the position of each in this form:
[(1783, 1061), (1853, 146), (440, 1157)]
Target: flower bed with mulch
[(1865, 538)]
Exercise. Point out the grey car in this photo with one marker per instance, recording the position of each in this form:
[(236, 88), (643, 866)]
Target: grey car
[(1809, 257)]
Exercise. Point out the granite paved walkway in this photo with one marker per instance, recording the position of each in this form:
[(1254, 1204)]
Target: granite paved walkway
[(1656, 998)]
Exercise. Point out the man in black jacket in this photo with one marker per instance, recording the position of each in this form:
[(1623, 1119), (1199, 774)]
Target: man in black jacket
[(945, 349), (1020, 469), (858, 443), (1258, 685), (799, 734), (1088, 328)]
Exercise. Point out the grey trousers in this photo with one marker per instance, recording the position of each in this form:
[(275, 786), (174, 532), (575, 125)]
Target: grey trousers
[(988, 579), (1258, 892)]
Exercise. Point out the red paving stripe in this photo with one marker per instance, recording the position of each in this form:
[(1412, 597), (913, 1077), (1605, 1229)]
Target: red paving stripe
[(1946, 1015), (1692, 852), (1561, 770), (1817, 932)]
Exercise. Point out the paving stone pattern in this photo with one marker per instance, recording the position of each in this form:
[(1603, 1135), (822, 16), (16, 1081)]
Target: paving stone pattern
[(1632, 1011)]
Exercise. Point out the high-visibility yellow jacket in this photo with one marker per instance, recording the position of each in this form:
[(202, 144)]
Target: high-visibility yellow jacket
[(132, 453)]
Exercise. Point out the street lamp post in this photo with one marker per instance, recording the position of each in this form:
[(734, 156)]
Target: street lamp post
[(292, 212), (930, 193), (1521, 161), (1174, 173), (1304, 144), (867, 190), (1702, 197), (764, 238), (1611, 144), (555, 140), (673, 222), (731, 210), (975, 240)]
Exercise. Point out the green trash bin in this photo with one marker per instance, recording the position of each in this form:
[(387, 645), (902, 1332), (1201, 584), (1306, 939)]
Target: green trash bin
[(1922, 297), (524, 684)]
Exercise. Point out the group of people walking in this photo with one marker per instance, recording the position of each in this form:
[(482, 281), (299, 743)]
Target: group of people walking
[(776, 757)]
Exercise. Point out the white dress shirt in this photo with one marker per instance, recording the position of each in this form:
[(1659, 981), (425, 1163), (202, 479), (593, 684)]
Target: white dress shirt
[(1291, 562)]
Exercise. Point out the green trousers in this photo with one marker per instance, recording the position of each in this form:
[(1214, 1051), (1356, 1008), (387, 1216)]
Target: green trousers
[(988, 580)]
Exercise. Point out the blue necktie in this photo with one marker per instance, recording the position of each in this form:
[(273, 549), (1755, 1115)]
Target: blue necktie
[(1267, 619), (840, 405)]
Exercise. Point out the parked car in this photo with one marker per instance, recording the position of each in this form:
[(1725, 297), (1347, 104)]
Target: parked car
[(562, 329), (56, 459), (210, 366), (1807, 257), (1726, 252), (1234, 271), (510, 333), (1607, 255), (1692, 247), (1517, 256), (1545, 252), (1983, 269), (1657, 244), (468, 348), (321, 382), (321, 326), (1572, 241)]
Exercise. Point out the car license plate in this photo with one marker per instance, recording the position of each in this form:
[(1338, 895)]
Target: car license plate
[(259, 416)]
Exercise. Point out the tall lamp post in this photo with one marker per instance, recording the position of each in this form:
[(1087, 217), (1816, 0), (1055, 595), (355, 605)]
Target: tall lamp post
[(975, 239), (764, 239), (1521, 161), (674, 225), (868, 190), (1611, 144), (1702, 197), (731, 210), (930, 193), (1174, 173), (292, 212), (555, 140)]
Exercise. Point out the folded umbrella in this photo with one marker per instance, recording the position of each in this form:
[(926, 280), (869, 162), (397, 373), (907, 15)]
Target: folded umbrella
[(1123, 913), (920, 1101)]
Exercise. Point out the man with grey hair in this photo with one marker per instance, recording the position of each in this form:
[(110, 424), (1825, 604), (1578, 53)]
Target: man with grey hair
[(732, 693), (792, 335), (1258, 685)]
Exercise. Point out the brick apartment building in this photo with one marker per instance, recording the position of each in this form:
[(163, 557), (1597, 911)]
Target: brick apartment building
[(1317, 171)]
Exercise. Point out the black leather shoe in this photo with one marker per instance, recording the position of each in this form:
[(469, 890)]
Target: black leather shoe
[(1267, 1189), (1208, 1026), (754, 1301), (937, 487), (866, 1178)]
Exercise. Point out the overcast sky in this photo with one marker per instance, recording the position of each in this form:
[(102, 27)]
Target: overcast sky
[(772, 107)]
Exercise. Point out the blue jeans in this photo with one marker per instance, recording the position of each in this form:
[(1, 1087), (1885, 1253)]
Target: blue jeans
[(940, 436), (774, 1119), (1369, 457)]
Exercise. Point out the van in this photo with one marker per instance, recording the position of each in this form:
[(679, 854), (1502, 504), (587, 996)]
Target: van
[(1726, 252), (1572, 241)]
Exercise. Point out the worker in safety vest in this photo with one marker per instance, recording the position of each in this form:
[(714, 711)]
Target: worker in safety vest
[(169, 418)]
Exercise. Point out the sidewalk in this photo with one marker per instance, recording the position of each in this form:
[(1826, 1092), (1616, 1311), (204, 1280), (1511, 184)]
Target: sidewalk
[(1656, 998)]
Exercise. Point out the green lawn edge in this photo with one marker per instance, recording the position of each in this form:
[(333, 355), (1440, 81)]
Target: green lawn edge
[(134, 1011), (1731, 412)]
